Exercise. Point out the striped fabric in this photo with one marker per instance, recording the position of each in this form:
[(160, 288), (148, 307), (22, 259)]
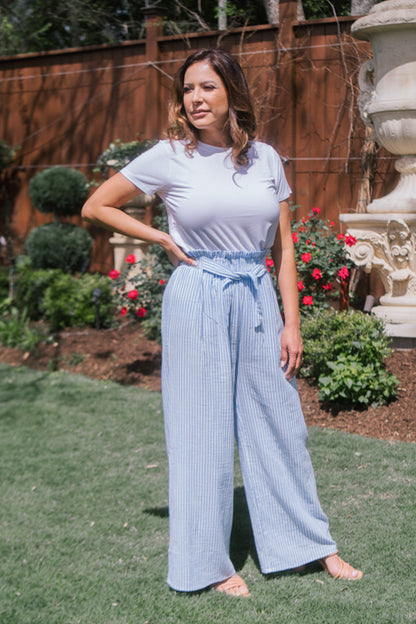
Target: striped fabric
[(221, 377)]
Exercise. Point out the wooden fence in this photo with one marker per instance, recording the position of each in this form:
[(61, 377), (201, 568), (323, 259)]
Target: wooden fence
[(65, 107)]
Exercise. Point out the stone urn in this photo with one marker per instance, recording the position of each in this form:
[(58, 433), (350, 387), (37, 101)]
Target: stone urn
[(386, 233)]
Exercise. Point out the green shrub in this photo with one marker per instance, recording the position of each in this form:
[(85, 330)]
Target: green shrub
[(350, 382), (30, 289), (85, 309), (59, 190), (60, 246), (68, 301), (345, 353), (60, 302), (4, 283), (15, 330), (63, 300), (329, 334), (118, 154)]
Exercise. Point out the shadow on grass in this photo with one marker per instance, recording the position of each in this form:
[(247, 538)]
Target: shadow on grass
[(309, 568), (159, 512), (242, 539)]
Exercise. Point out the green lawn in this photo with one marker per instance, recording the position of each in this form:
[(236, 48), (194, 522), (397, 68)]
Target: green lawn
[(84, 518)]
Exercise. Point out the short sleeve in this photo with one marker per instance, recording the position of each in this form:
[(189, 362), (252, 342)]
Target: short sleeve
[(283, 190), (150, 170)]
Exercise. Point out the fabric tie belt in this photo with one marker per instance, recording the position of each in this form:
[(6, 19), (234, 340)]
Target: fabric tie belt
[(252, 276)]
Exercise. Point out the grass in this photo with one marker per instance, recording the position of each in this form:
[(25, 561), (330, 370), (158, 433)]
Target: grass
[(84, 517)]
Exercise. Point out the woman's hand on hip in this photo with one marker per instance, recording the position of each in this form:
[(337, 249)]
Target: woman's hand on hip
[(175, 254), (292, 350)]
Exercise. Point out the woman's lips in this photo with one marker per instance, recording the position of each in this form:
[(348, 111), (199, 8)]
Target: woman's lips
[(199, 113)]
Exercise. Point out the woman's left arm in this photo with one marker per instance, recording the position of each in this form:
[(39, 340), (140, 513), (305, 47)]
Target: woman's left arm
[(283, 255)]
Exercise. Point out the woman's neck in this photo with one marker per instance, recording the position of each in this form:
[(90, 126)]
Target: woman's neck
[(217, 139)]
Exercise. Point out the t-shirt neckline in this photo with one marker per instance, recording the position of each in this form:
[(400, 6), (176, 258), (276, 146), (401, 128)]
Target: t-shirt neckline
[(208, 148)]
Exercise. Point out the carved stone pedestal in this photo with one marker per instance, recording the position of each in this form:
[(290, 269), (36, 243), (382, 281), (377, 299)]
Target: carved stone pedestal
[(387, 242), (386, 233)]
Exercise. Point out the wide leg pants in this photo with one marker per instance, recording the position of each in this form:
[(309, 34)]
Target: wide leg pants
[(221, 378)]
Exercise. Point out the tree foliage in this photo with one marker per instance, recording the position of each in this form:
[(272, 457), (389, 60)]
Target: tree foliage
[(41, 25), (315, 9)]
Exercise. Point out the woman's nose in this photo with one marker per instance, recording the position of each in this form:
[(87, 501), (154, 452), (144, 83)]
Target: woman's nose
[(196, 95)]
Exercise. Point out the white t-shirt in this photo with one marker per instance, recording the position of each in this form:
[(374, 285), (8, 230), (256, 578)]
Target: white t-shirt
[(210, 203)]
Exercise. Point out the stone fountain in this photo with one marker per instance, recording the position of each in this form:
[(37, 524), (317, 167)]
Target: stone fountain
[(386, 233)]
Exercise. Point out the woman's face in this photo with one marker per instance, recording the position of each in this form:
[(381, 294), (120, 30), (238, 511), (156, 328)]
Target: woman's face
[(206, 102)]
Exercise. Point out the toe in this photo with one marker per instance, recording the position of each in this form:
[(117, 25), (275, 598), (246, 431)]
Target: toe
[(233, 586)]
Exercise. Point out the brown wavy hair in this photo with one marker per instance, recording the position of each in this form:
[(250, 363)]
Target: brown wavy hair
[(241, 123)]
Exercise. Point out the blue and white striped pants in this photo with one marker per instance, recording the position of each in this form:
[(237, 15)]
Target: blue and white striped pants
[(221, 377)]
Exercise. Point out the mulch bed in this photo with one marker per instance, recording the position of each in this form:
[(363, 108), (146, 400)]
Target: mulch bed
[(127, 357)]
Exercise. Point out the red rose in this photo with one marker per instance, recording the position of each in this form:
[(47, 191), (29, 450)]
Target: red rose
[(340, 237), (350, 240), (306, 257), (300, 286), (295, 237), (114, 274), (343, 273), (123, 311), (133, 294), (161, 282), (131, 259), (269, 262), (316, 210), (316, 274), (141, 312), (332, 224), (307, 300), (327, 286)]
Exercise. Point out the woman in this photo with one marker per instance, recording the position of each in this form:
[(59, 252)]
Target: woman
[(228, 361)]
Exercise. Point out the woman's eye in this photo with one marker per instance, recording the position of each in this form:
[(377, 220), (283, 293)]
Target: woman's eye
[(209, 87), (187, 89)]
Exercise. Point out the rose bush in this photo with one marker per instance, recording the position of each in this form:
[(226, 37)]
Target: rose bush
[(139, 286), (322, 261)]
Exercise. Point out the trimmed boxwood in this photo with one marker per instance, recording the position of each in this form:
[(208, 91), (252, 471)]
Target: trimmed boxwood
[(59, 190), (60, 246)]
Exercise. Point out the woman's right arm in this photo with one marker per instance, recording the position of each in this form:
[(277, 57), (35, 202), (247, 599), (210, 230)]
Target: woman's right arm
[(103, 209)]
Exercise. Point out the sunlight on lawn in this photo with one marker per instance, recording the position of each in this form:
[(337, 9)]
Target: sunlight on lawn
[(84, 517)]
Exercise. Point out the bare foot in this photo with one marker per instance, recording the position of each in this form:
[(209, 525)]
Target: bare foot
[(233, 586), (339, 569)]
